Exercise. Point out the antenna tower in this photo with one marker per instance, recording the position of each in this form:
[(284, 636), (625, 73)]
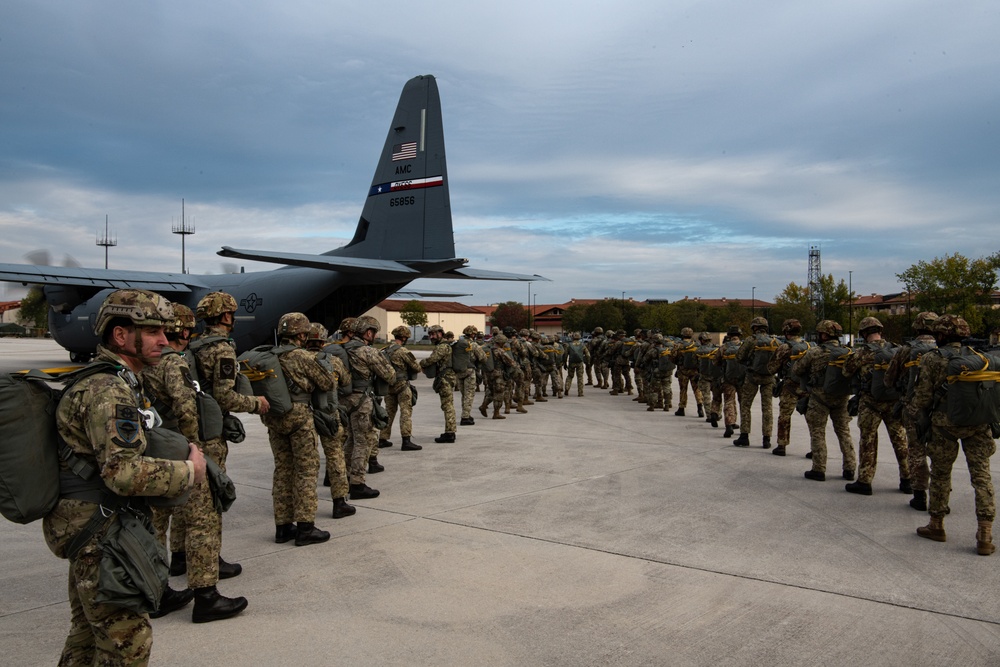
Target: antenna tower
[(815, 289), (183, 230), (107, 241)]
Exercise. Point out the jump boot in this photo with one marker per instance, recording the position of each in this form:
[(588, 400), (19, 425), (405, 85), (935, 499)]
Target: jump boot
[(934, 530), (210, 605), (984, 539), (408, 445), (341, 509), (919, 500), (496, 413), (701, 411), (308, 533)]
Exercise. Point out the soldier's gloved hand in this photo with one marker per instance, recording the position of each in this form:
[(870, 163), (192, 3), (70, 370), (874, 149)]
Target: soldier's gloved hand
[(264, 405), (198, 459)]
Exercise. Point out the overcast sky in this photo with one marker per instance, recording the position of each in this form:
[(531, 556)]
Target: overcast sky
[(659, 149)]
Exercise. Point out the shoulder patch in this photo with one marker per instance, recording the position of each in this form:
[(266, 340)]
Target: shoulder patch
[(227, 369), (126, 426)]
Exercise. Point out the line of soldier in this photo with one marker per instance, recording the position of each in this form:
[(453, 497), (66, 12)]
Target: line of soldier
[(900, 386)]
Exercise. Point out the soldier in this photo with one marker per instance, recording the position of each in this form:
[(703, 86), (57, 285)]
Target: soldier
[(659, 362), (733, 374), (709, 377), (557, 355), (791, 387), (465, 378), (196, 525), (367, 365), (505, 371), (827, 399), (590, 362), (755, 352), (875, 406), (902, 374), (217, 369), (444, 380), (292, 435), (577, 356), (945, 436), (540, 365), (598, 352), (686, 358), (406, 367), (333, 444), (101, 419), (520, 348)]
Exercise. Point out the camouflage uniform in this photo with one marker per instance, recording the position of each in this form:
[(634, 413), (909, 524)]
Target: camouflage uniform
[(791, 388), (405, 366), (871, 413), (293, 439), (558, 358), (659, 393), (576, 368), (367, 363), (942, 447), (506, 372), (444, 383), (726, 357), (98, 419), (465, 381), (710, 379), (757, 344), (686, 375), (599, 353), (333, 445), (196, 526), (822, 407)]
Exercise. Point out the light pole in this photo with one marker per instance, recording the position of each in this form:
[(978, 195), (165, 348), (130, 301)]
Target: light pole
[(753, 302), (623, 309), (850, 305), (531, 311)]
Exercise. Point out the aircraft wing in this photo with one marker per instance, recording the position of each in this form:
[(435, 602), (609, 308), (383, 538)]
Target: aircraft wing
[(31, 274), (416, 294), (327, 262)]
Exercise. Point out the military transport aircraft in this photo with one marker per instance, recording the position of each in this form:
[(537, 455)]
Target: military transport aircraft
[(405, 233)]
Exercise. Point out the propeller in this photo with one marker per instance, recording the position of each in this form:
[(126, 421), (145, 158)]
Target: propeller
[(43, 257)]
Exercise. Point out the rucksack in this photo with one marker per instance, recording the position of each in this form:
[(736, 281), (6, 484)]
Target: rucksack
[(734, 372), (707, 367), (30, 446), (575, 352), (461, 353), (973, 388), (488, 362), (917, 350), (337, 350), (689, 357), (263, 368), (242, 383), (879, 389), (764, 347), (835, 383), (326, 412), (210, 418), (665, 364)]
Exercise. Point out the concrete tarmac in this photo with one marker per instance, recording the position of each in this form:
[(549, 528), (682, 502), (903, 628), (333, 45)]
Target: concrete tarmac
[(586, 532)]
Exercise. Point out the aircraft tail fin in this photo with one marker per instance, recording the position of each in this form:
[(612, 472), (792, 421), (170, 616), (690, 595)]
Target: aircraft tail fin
[(407, 214)]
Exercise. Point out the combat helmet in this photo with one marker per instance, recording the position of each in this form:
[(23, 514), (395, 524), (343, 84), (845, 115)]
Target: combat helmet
[(576, 335), (830, 328), (183, 318), (435, 328), (925, 321), (142, 307), (365, 323), (317, 332), (735, 330), (598, 331), (215, 304), (293, 324), (791, 327), (499, 339), (687, 332), (759, 322), (704, 337), (347, 325), (470, 330), (869, 323), (951, 326), (401, 332)]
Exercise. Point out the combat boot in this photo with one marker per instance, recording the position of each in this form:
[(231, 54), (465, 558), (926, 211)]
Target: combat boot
[(229, 570), (526, 401), (650, 409), (409, 446), (742, 441), (934, 530), (849, 475), (613, 392), (729, 431), (382, 443), (984, 539), (374, 466), (919, 500), (496, 413), (467, 421), (679, 413), (779, 450), (767, 442), (210, 605), (905, 486), (520, 408), (326, 479), (341, 509), (308, 533), (629, 393), (714, 420), (178, 563), (482, 410), (362, 492), (172, 600), (447, 436), (815, 475), (541, 399), (284, 532), (701, 411), (859, 488)]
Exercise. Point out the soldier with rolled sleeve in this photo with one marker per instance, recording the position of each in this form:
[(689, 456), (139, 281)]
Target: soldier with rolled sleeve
[(444, 380)]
